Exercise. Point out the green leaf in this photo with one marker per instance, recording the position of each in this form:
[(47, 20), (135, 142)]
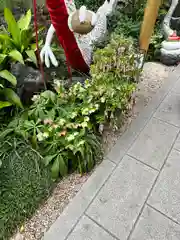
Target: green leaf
[(5, 133), (48, 159), (12, 97), (4, 104), (55, 169), (32, 56), (8, 76), (2, 57), (17, 56), (25, 20), (4, 37), (26, 37), (62, 166), (12, 26)]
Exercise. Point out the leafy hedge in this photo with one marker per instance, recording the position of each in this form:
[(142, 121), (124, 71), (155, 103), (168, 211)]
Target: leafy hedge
[(63, 125)]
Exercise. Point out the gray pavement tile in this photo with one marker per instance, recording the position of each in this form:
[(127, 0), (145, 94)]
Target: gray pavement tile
[(127, 139), (169, 110), (119, 202), (86, 229), (74, 210), (177, 143), (154, 143), (152, 225), (166, 194), (176, 87)]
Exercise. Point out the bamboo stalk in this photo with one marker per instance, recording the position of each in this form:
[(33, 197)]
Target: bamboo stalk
[(150, 16)]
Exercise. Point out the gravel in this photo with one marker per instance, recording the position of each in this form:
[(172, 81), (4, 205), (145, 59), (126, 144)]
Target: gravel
[(153, 77)]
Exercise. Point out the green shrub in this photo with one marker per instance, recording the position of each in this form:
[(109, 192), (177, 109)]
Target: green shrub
[(24, 184), (63, 125), (17, 44)]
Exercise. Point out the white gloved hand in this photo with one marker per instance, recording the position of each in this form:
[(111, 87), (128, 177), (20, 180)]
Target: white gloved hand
[(47, 56)]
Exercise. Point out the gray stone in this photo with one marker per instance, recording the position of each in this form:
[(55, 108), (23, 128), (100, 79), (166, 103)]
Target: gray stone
[(154, 143), (119, 202), (170, 109), (153, 225), (67, 220), (166, 194), (29, 81), (88, 230)]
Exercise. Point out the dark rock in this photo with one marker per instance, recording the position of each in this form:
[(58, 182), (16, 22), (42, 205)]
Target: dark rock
[(29, 81)]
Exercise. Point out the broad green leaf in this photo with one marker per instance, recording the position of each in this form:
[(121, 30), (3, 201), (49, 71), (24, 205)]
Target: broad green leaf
[(48, 159), (12, 26), (12, 97), (8, 76), (55, 169), (62, 166), (25, 21), (17, 56), (32, 56), (4, 37), (0, 163), (4, 104), (26, 37), (1, 86), (2, 57)]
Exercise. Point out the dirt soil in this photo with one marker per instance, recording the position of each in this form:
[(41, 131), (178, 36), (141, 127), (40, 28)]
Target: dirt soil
[(153, 77)]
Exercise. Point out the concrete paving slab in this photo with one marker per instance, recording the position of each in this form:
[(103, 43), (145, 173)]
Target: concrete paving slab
[(154, 143), (166, 194), (75, 209), (119, 202), (152, 225), (169, 110), (88, 230), (177, 144)]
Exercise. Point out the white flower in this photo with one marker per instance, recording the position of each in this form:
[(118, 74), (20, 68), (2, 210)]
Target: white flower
[(35, 98), (45, 135), (40, 137)]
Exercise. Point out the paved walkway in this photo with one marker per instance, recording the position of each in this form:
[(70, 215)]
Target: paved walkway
[(135, 193)]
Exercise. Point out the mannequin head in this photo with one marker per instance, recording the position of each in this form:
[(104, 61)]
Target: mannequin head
[(82, 21)]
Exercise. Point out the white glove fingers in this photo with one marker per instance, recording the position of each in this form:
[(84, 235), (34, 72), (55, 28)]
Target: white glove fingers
[(42, 53), (47, 62), (53, 59)]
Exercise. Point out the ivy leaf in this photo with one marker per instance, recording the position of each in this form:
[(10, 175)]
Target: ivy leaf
[(62, 166), (8, 76), (55, 169), (17, 56)]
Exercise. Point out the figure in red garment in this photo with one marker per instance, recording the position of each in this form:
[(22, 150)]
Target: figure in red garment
[(77, 31)]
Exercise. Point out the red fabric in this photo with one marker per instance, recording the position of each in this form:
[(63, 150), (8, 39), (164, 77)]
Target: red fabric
[(59, 18)]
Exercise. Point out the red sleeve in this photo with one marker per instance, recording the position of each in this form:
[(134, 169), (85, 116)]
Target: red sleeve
[(59, 18)]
